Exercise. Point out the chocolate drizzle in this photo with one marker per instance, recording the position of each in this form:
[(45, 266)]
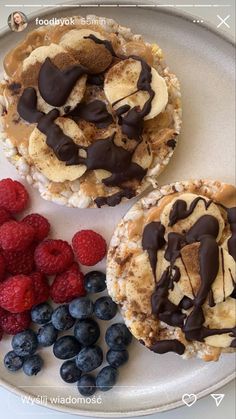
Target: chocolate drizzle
[(56, 85), (132, 120), (95, 112), (152, 241), (179, 210), (27, 106), (114, 199), (63, 146), (205, 231), (164, 346)]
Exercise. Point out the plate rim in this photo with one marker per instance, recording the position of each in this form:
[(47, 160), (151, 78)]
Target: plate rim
[(178, 403)]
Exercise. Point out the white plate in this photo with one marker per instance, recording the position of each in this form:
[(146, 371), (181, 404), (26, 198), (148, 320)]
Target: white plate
[(204, 63)]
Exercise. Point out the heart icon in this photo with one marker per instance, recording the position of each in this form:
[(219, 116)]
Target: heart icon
[(189, 399)]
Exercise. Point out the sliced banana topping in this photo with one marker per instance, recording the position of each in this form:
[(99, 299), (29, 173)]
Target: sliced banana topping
[(223, 285), (183, 225), (175, 295), (45, 159), (71, 39), (121, 87), (143, 155), (190, 279), (60, 57), (221, 316), (188, 265)]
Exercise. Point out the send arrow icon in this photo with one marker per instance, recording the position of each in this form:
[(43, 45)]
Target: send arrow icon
[(218, 398)]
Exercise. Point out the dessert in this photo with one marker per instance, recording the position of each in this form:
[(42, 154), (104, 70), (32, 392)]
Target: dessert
[(171, 268), (90, 112)]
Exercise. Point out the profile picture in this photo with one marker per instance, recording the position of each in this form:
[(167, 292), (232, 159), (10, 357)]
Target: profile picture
[(17, 21)]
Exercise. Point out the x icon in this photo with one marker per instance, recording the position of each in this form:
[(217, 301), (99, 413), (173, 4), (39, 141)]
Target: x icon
[(223, 21)]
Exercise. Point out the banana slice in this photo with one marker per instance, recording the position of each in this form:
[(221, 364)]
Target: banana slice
[(219, 341), (60, 56), (46, 161), (222, 315), (223, 285), (185, 224), (121, 86), (143, 155), (188, 265), (190, 279), (101, 174), (71, 39), (175, 295)]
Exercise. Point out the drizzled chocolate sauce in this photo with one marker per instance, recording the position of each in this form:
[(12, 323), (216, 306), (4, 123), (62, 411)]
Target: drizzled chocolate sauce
[(171, 143), (207, 224), (152, 241), (55, 85), (205, 231), (63, 146), (179, 210), (96, 79), (27, 106), (114, 199), (164, 346), (132, 120), (95, 112)]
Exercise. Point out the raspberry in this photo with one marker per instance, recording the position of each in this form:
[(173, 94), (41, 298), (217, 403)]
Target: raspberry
[(40, 224), (53, 256), (2, 267), (68, 285), (13, 323), (1, 333), (89, 247), (41, 287), (13, 195), (21, 262), (4, 216), (15, 235), (17, 294)]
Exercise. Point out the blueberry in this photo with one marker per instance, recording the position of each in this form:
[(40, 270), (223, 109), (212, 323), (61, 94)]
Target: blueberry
[(106, 378), (86, 332), (47, 335), (81, 308), (66, 347), (12, 361), (33, 365), (69, 371), (105, 308), (61, 318), (25, 343), (89, 358), (117, 358), (95, 281), (41, 313), (118, 336), (87, 385)]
